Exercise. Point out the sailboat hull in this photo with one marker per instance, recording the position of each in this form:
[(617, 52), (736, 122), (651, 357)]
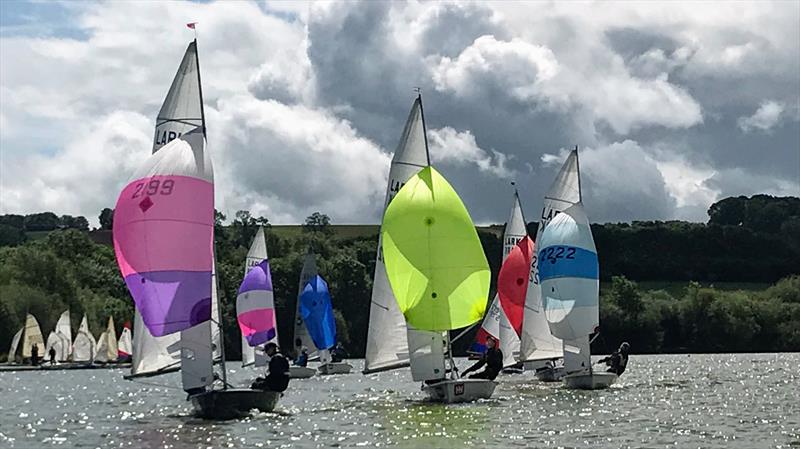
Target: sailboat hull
[(460, 390), (300, 372), (590, 381), (549, 374), (335, 368), (233, 403)]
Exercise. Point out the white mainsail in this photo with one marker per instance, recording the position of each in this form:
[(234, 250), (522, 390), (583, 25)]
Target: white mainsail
[(83, 348), (537, 341), (301, 336), (14, 345), (64, 332), (182, 110), (60, 344), (570, 285), (32, 336), (390, 344), (125, 348), (107, 344), (256, 254)]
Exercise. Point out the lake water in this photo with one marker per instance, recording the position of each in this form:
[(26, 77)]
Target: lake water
[(698, 401)]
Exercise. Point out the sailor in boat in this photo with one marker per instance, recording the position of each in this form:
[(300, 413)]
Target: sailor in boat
[(338, 353), (618, 360), (52, 354), (35, 354), (278, 376), (302, 359), (492, 359)]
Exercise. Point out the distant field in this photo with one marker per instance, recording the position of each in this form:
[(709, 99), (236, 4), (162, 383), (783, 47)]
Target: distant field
[(349, 231)]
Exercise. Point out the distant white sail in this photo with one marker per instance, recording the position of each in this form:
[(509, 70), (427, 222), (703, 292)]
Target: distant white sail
[(64, 330), (125, 348), (301, 336), (14, 344), (83, 348), (107, 344), (537, 341), (388, 339), (32, 336), (59, 343)]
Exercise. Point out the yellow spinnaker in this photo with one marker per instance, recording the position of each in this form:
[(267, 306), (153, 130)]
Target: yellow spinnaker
[(434, 259)]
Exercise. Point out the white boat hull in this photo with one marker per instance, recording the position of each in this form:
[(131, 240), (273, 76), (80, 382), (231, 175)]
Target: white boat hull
[(233, 402), (590, 381), (460, 390), (301, 372), (551, 374), (335, 368)]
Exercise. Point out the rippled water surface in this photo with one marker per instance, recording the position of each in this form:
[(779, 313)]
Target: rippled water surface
[(698, 401)]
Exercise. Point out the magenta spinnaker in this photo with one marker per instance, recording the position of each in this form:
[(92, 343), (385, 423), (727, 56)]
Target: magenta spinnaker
[(255, 305), (163, 238)]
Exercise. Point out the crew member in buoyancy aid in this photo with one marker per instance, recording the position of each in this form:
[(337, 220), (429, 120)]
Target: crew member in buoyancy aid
[(618, 360), (492, 358), (278, 377)]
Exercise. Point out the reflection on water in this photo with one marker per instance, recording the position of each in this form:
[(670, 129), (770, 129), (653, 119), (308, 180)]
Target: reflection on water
[(714, 401)]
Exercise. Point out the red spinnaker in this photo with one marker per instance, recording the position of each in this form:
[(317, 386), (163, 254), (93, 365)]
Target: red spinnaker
[(512, 282)]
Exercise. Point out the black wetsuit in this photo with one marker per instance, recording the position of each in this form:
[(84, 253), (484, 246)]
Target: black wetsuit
[(278, 377), (617, 362), (493, 359)]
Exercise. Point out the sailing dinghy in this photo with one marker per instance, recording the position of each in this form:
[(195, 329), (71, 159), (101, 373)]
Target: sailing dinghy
[(503, 319), (164, 243), (125, 347), (393, 343), (60, 339), (107, 344), (569, 273), (437, 271), (316, 310), (28, 335), (256, 311)]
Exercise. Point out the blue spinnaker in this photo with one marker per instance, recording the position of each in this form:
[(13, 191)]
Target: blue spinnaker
[(317, 313)]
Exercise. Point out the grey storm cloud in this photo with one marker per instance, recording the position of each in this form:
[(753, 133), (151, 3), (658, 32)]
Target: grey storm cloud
[(673, 105)]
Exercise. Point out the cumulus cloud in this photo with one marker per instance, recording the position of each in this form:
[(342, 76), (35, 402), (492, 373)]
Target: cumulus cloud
[(765, 118), (459, 148), (85, 176), (303, 99)]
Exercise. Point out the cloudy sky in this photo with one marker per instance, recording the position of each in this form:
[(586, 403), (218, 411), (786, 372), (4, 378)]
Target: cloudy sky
[(673, 105)]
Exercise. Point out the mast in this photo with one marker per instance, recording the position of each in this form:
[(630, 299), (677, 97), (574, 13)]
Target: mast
[(424, 127), (200, 88), (214, 256), (221, 336), (578, 168), (521, 209)]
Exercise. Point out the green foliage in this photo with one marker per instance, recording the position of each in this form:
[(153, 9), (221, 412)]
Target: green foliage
[(52, 269), (106, 219), (318, 223)]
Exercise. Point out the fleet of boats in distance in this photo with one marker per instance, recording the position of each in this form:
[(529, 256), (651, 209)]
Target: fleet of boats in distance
[(431, 278)]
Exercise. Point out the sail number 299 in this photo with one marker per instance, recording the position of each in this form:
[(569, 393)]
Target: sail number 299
[(154, 187)]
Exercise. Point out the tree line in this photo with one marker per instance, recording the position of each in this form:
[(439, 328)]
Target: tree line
[(754, 239)]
